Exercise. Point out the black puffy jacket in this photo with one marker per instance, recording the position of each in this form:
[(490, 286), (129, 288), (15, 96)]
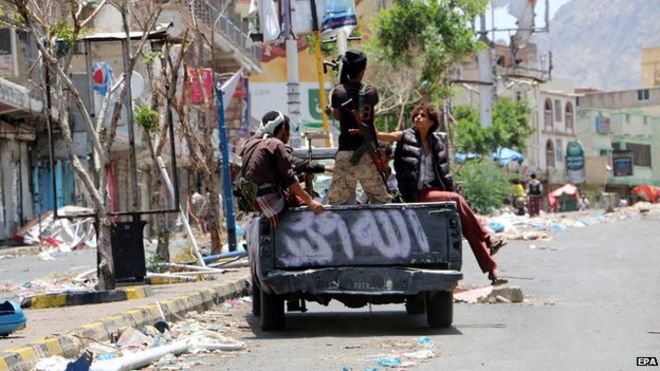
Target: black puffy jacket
[(407, 160)]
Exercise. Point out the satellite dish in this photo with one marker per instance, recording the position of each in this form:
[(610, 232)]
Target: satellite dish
[(137, 85)]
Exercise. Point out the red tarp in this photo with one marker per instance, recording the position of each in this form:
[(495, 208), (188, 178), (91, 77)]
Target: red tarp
[(568, 189), (647, 192)]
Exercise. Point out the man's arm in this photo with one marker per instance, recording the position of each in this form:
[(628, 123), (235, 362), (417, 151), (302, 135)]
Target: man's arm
[(394, 136), (316, 206)]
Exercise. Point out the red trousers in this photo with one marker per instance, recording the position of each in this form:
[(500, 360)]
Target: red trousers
[(471, 228)]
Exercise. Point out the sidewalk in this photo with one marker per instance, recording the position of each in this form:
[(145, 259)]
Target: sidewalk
[(98, 321)]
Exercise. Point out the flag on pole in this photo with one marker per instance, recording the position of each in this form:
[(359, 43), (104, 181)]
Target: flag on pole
[(229, 87)]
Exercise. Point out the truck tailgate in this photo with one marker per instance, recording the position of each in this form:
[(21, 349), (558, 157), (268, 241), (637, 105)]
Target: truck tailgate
[(422, 234)]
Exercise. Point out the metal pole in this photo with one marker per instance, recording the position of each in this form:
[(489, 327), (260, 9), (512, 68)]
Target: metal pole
[(293, 84), (128, 103), (486, 78), (319, 71), (229, 202)]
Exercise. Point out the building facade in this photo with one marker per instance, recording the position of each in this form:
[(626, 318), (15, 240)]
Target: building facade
[(20, 108)]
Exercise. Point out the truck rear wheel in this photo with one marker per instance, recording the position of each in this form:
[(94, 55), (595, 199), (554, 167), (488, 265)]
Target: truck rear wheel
[(439, 309), (256, 299), (415, 305), (272, 312)]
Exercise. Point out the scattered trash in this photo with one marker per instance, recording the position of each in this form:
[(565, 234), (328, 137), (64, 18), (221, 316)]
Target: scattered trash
[(161, 326), (82, 363), (62, 234), (12, 318), (532, 247), (133, 339), (390, 362), (424, 340), (51, 363), (420, 354)]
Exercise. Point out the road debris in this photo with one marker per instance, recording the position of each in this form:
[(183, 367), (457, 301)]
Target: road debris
[(490, 294), (169, 346)]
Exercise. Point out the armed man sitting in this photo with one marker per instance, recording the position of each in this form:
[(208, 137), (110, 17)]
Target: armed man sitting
[(353, 104), (266, 165)]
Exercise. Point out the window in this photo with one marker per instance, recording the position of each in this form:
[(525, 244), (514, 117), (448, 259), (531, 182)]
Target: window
[(569, 117), (559, 150), (557, 110), (617, 146), (604, 153), (643, 94), (547, 115), (641, 154), (549, 154)]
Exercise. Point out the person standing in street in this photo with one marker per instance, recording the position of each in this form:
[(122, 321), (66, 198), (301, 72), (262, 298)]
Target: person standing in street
[(352, 162), (534, 194)]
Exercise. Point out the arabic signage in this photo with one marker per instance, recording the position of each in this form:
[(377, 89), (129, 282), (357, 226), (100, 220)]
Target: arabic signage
[(575, 162), (622, 163), (602, 124), (196, 94)]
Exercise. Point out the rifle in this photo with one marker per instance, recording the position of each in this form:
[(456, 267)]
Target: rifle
[(371, 143)]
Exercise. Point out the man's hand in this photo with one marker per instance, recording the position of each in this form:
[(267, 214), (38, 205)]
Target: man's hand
[(316, 207), (329, 169)]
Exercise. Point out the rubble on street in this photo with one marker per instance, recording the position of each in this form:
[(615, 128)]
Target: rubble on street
[(514, 227), (182, 344)]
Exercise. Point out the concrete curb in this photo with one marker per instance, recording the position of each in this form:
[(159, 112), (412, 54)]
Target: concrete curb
[(18, 251), (82, 298), (71, 344)]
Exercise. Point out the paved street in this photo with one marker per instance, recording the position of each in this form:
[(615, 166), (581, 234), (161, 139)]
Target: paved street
[(592, 299), (27, 268)]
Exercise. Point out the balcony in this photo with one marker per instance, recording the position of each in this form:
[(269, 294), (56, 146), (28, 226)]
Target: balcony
[(233, 41)]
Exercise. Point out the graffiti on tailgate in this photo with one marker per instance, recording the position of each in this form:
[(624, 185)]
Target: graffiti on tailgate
[(392, 233)]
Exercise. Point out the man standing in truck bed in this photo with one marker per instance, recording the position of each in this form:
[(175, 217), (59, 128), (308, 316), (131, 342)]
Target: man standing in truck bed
[(362, 168)]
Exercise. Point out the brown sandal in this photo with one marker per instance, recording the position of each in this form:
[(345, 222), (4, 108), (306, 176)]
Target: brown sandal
[(495, 246), (496, 281)]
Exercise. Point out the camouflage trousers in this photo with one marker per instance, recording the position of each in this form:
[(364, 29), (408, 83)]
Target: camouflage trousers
[(346, 176)]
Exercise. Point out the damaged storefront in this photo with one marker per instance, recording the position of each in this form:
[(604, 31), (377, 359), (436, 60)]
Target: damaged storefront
[(17, 137)]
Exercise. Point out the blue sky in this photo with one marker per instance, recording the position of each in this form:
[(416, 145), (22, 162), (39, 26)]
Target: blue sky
[(503, 20)]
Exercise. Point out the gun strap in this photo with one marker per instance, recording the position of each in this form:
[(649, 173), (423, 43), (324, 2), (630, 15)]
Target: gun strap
[(357, 154)]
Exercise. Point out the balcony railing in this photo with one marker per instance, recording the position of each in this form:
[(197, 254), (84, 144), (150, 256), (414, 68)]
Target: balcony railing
[(209, 12)]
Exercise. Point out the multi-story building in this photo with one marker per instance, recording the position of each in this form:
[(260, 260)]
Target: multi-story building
[(621, 134), (555, 119), (650, 67), (20, 107)]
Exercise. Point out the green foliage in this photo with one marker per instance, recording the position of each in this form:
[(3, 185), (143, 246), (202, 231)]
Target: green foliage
[(485, 185), (511, 127), (65, 32), (437, 33), (147, 118), (150, 56)]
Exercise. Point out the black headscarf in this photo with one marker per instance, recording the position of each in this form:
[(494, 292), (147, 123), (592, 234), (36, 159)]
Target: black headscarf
[(353, 62)]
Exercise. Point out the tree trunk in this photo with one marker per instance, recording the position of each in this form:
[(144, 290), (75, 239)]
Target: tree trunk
[(106, 267)]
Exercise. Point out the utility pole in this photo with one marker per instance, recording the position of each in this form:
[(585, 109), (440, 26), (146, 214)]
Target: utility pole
[(319, 71), (293, 83), (485, 79)]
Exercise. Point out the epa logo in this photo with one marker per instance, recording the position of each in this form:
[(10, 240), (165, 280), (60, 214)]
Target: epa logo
[(647, 361)]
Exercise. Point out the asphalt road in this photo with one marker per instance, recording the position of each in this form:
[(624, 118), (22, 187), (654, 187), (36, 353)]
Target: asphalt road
[(592, 303), (16, 271)]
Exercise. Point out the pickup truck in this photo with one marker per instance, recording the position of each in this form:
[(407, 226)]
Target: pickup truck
[(359, 255)]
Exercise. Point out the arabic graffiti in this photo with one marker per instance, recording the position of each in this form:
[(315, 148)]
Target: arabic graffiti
[(307, 239)]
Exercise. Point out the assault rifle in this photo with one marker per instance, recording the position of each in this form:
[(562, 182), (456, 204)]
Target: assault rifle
[(371, 143)]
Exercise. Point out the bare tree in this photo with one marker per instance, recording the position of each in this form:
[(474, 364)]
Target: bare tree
[(56, 26), (398, 88)]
